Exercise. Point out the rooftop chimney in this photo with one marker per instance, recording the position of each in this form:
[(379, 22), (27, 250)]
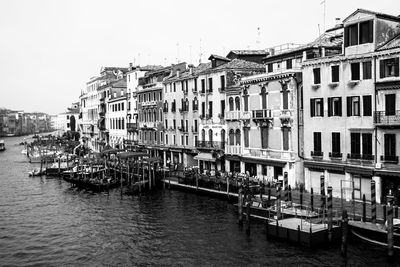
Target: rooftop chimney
[(177, 73), (191, 69), (337, 22)]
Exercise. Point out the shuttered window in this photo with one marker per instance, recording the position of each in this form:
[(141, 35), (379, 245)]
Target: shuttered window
[(335, 73), (367, 105), (353, 106), (334, 106), (317, 75), (355, 71), (366, 32), (355, 143), (389, 67), (264, 137), (367, 67), (390, 104), (317, 141), (336, 143), (246, 131), (367, 145), (390, 145)]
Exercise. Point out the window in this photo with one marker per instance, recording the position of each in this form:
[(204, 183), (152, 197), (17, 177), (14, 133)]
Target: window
[(246, 101), (366, 32), (334, 106), (353, 106), (355, 145), (367, 67), (210, 108), (203, 109), (210, 85), (270, 67), (390, 104), (285, 138), (351, 35), (203, 85), (367, 105), (389, 67), (187, 140), (222, 82), (288, 64), (335, 74), (122, 106), (195, 84), (166, 124), (390, 146), (317, 144), (174, 123), (336, 145), (174, 87), (355, 71), (174, 139), (317, 75), (246, 131), (222, 108), (195, 126), (264, 137), (317, 107), (367, 146)]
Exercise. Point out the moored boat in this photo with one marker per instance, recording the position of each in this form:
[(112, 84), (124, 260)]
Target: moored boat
[(2, 145)]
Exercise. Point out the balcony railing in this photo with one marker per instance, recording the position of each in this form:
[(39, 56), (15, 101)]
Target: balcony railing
[(385, 119), (232, 115), (262, 114), (335, 155), (317, 154), (148, 124), (210, 144), (149, 103), (268, 153), (390, 159), (132, 126), (234, 150), (354, 156)]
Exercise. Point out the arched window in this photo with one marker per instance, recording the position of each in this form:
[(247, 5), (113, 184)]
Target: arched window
[(203, 135), (123, 124), (246, 100), (231, 137), (223, 135), (237, 137), (187, 104), (263, 98), (231, 104), (195, 104), (237, 103), (154, 115), (161, 118), (210, 135)]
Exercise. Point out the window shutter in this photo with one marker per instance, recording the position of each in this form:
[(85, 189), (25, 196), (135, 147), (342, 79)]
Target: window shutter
[(381, 69), (329, 107), (312, 105), (358, 107), (322, 107), (349, 106), (340, 107), (396, 67)]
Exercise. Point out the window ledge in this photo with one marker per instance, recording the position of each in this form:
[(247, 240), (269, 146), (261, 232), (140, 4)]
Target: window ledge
[(315, 86), (353, 83), (333, 84)]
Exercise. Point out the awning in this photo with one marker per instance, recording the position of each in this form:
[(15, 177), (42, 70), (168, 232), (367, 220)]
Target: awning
[(324, 166), (387, 173), (205, 157), (264, 161), (126, 155), (360, 170)]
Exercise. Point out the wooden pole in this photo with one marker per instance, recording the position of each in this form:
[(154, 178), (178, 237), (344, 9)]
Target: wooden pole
[(390, 240), (227, 187), (301, 196), (322, 180), (120, 169), (248, 210), (364, 209), (59, 165), (345, 221), (330, 213), (312, 199), (149, 176), (278, 202), (240, 207), (373, 201)]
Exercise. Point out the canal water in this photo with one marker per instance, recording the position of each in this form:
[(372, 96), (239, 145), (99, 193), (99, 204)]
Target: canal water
[(45, 222)]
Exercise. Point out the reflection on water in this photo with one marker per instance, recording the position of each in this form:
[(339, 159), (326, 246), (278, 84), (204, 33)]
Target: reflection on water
[(44, 221)]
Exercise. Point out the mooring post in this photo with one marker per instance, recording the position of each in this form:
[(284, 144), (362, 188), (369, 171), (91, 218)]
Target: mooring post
[(278, 202), (290, 196), (322, 180), (150, 176), (364, 212), (269, 194), (227, 187), (312, 199), (240, 206), (384, 213), (301, 196), (330, 213), (197, 180), (373, 201), (59, 165), (396, 211), (120, 169), (248, 202), (285, 185), (390, 240), (345, 221)]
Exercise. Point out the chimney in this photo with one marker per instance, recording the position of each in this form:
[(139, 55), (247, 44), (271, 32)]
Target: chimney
[(191, 69), (337, 22), (177, 73)]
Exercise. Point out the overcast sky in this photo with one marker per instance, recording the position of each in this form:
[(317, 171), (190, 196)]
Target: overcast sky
[(50, 49)]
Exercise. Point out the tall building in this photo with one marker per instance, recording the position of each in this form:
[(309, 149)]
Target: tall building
[(340, 136), (213, 83)]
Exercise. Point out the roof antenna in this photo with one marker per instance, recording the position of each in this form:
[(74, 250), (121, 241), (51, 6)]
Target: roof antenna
[(324, 2), (200, 53), (177, 52), (258, 37)]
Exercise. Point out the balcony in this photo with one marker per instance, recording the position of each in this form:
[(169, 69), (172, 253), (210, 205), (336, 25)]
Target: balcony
[(183, 110), (165, 109), (389, 159), (210, 144), (381, 118), (268, 153), (354, 156), (232, 115), (148, 124), (132, 126), (149, 103), (233, 150), (317, 154), (262, 114), (335, 155), (221, 89)]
